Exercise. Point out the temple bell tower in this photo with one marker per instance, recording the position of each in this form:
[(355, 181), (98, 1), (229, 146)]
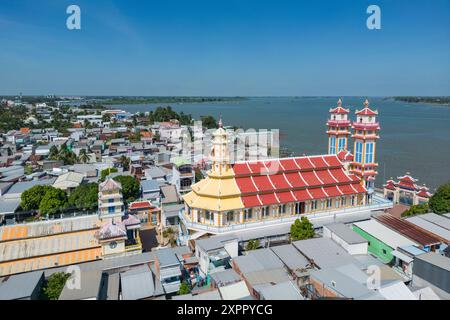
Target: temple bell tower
[(365, 136), (220, 155), (338, 129)]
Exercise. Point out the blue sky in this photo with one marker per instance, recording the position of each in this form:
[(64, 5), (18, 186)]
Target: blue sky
[(232, 47)]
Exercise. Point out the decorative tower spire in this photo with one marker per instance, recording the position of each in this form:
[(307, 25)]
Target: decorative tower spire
[(220, 153), (365, 135), (338, 129)]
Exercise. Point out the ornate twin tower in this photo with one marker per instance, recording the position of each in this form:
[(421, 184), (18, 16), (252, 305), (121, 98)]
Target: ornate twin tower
[(364, 132)]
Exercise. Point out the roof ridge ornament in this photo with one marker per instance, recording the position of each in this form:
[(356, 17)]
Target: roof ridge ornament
[(366, 103)]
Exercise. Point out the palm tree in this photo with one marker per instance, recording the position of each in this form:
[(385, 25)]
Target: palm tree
[(83, 156), (125, 163), (53, 155)]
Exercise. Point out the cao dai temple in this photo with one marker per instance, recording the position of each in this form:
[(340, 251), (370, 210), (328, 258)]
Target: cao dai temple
[(253, 194)]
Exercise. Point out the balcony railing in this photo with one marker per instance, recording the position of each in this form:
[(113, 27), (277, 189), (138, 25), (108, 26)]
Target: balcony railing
[(378, 203)]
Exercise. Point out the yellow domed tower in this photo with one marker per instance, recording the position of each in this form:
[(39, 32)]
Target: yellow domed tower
[(220, 155), (216, 199)]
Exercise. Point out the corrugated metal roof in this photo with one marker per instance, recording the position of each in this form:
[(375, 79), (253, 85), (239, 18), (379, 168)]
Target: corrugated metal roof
[(435, 259), (137, 283), (235, 291), (225, 277), (381, 232), (19, 286), (325, 252), (166, 257), (290, 256), (345, 233), (257, 260), (431, 227), (441, 220), (90, 284), (281, 291), (408, 229)]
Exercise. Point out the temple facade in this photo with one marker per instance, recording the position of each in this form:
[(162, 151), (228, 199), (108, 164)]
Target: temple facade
[(251, 194)]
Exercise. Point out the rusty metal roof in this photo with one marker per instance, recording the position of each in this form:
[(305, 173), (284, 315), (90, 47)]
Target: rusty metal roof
[(408, 229)]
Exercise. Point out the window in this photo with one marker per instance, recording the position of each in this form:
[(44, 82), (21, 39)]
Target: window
[(358, 151), (230, 216), (337, 203), (248, 214), (384, 251), (282, 209), (333, 145), (341, 144), (111, 209), (265, 211), (369, 152), (329, 203), (297, 208), (343, 201), (314, 205), (353, 200)]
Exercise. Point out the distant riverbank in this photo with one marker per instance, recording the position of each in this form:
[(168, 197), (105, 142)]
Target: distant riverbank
[(164, 100), (445, 101)]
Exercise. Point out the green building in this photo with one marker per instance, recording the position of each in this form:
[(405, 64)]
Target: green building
[(382, 240)]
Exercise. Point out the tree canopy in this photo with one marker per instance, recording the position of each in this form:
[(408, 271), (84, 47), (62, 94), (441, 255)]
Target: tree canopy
[(416, 209), (302, 229), (440, 201), (164, 114), (209, 122), (54, 201), (184, 288), (131, 188), (84, 196), (252, 245), (106, 172), (54, 285), (31, 198)]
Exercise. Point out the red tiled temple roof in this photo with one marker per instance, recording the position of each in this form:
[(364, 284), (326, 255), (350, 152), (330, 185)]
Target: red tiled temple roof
[(340, 110), (294, 179), (366, 112), (140, 205)]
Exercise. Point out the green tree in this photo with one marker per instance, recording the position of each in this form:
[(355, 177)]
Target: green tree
[(209, 122), (83, 156), (67, 156), (106, 172), (252, 245), (84, 197), (53, 201), (28, 169), (131, 188), (416, 209), (31, 198), (440, 201), (302, 229), (184, 288), (54, 285), (53, 155), (125, 163)]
